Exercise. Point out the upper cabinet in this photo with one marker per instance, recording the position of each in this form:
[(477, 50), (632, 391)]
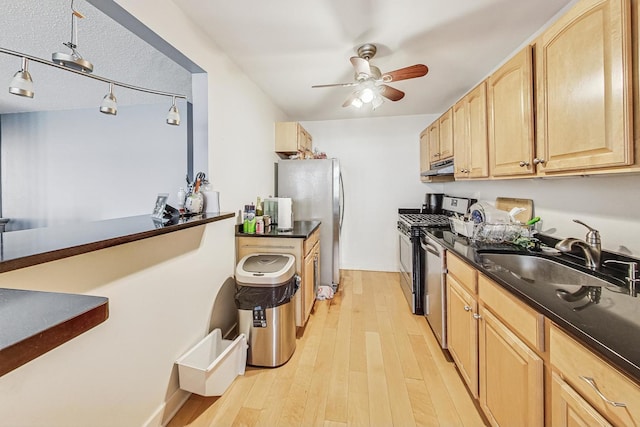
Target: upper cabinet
[(425, 162), (292, 138), (510, 105), (445, 143), (563, 106), (583, 89)]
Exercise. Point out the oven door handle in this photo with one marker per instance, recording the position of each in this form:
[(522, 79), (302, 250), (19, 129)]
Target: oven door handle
[(430, 247)]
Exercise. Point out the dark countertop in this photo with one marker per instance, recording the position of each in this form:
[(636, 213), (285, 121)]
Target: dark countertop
[(24, 248), (33, 322), (611, 327), (301, 230)]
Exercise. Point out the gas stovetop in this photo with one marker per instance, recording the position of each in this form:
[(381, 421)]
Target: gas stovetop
[(424, 220)]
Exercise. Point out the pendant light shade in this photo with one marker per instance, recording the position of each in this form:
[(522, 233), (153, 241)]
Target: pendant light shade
[(21, 84), (109, 103), (173, 117)]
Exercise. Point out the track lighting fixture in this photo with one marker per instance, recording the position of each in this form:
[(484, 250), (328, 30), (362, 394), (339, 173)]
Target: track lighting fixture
[(74, 59), (109, 103), (21, 84), (173, 117)]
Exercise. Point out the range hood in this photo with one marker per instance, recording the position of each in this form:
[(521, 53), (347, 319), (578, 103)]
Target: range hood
[(444, 167)]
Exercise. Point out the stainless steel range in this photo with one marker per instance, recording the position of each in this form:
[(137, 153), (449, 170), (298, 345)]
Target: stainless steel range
[(422, 261), (411, 255)]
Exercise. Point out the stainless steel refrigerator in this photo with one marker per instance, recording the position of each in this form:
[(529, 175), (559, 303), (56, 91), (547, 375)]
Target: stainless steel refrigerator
[(318, 194)]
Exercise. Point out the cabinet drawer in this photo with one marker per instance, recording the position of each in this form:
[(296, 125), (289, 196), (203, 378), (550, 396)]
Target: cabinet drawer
[(465, 274), (523, 320), (311, 241), (574, 362)]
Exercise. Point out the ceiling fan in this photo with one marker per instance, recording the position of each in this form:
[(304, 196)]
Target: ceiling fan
[(371, 83)]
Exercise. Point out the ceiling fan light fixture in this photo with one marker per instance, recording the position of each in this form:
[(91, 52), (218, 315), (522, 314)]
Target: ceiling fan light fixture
[(357, 102), (367, 95), (21, 83), (377, 101)]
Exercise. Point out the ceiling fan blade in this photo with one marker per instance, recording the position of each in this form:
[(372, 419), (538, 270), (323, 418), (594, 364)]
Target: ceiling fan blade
[(411, 72), (336, 85), (391, 93), (349, 101), (361, 65)]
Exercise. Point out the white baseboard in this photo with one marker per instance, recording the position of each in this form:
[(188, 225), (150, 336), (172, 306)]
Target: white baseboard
[(168, 409)]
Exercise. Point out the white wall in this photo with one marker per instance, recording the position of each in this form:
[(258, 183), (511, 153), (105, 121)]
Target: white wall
[(380, 161), (161, 290), (606, 203)]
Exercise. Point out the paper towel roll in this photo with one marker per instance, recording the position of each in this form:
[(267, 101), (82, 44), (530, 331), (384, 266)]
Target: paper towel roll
[(211, 201), (285, 214)]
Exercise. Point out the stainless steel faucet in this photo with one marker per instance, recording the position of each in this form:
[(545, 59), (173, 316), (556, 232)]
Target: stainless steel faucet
[(632, 275), (591, 246)]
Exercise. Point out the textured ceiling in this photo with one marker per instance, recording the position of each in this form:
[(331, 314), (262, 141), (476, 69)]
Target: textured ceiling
[(286, 46), (39, 28)]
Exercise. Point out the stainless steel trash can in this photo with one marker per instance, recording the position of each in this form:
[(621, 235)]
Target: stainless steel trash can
[(265, 287)]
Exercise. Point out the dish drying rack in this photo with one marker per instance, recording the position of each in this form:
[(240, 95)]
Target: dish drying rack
[(491, 232)]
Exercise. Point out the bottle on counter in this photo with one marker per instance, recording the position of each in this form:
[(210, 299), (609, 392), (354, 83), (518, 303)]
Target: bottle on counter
[(195, 201), (259, 211), (182, 195)]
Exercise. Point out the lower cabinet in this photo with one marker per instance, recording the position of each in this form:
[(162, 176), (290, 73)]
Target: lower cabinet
[(511, 376), (587, 388)]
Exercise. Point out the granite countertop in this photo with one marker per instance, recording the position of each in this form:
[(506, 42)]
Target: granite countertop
[(301, 230), (609, 327), (33, 322)]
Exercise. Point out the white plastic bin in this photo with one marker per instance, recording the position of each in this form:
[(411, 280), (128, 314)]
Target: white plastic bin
[(210, 367)]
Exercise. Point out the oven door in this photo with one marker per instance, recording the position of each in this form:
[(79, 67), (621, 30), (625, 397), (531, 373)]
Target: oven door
[(407, 258)]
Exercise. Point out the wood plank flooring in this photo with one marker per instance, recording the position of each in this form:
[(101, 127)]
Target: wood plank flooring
[(364, 360)]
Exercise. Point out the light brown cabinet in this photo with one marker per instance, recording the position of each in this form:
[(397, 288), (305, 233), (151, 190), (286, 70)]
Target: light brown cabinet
[(470, 135), (511, 125), (440, 135), (425, 162), (462, 331), (304, 250), (583, 89), (291, 137), (584, 380)]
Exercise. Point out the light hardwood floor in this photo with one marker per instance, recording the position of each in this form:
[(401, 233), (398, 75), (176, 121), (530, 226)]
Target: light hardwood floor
[(364, 360)]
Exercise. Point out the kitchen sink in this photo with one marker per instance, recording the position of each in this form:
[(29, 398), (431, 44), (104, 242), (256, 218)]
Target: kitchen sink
[(543, 271)]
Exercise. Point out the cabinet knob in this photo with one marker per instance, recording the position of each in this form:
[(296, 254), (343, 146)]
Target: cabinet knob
[(593, 385), (538, 161), (523, 164), (477, 316), (467, 308)]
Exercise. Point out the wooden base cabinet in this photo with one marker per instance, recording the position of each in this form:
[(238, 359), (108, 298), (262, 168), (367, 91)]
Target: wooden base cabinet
[(511, 376), (588, 388), (462, 332)]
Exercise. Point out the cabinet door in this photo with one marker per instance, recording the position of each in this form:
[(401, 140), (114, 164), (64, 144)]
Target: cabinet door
[(583, 87), (569, 409), (462, 332), (307, 288), (424, 151), (460, 144), (511, 376), (446, 135), (510, 101), (434, 142), (476, 107)]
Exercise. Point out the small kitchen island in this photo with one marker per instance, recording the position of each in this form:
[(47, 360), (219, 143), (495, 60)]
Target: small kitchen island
[(303, 242)]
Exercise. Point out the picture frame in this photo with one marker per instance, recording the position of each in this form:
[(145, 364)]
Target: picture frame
[(161, 203)]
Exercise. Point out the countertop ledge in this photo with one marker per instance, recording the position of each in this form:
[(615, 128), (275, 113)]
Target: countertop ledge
[(25, 248), (35, 322)]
